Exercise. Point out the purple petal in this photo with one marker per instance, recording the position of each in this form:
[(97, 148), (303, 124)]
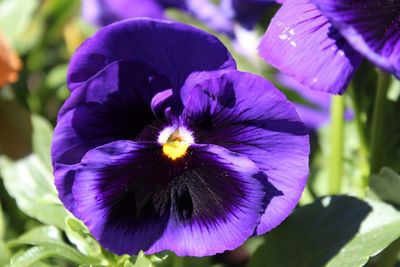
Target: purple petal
[(371, 27), (140, 204), (172, 49), (113, 105), (104, 12), (248, 115), (160, 102), (301, 42), (211, 15)]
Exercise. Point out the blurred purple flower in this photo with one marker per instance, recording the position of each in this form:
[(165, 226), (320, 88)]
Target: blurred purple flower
[(220, 18), (321, 42), (104, 12), (316, 108), (246, 12), (160, 147)]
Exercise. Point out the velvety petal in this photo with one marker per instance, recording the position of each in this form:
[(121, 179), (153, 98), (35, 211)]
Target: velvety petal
[(301, 42), (160, 102), (104, 12), (172, 49), (145, 201), (113, 105), (64, 177), (248, 115), (371, 27)]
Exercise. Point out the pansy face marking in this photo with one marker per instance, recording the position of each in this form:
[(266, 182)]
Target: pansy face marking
[(175, 141)]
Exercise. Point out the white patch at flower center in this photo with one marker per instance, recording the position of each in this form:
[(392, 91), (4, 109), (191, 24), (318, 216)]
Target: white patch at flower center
[(175, 141)]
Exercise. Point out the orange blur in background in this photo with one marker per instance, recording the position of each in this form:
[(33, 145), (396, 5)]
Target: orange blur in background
[(10, 64)]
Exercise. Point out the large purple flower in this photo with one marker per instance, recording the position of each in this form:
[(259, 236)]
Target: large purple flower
[(322, 42), (164, 145)]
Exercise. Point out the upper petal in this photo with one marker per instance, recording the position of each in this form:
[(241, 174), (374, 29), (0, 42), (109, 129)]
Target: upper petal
[(248, 115), (133, 198), (301, 42), (172, 49), (113, 105), (371, 27)]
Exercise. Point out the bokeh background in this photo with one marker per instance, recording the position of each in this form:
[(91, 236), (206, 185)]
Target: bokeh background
[(37, 39)]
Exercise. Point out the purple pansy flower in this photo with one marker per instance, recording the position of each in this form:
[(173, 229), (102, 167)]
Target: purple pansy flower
[(164, 145), (104, 12), (322, 42)]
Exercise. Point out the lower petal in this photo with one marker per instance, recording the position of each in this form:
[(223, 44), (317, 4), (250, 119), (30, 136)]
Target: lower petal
[(132, 198)]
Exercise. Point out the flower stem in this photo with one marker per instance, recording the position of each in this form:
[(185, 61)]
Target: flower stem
[(360, 124), (337, 142), (378, 123)]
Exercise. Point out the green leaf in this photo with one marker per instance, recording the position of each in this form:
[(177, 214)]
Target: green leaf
[(386, 185), (16, 27), (79, 235), (4, 254), (169, 259), (56, 76), (30, 180), (339, 231), (41, 139), (142, 261), (39, 235), (38, 253), (2, 224), (48, 243)]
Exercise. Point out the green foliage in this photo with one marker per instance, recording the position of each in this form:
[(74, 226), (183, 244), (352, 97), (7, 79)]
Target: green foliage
[(4, 254), (47, 242), (332, 231), (2, 224), (386, 185), (337, 231), (16, 28), (142, 261), (30, 181), (79, 235)]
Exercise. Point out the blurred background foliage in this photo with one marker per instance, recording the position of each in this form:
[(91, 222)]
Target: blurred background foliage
[(359, 225)]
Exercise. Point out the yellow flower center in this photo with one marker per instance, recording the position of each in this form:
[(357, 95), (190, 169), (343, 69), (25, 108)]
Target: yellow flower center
[(176, 146)]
